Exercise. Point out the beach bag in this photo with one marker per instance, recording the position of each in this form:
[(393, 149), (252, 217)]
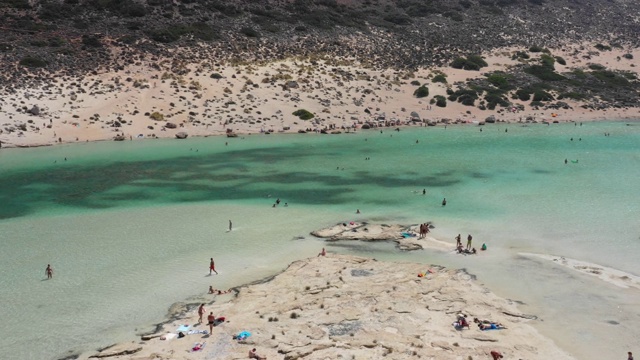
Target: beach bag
[(180, 335)]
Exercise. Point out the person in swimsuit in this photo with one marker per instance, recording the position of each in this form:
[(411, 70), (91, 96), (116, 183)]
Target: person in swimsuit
[(253, 355), (630, 357), (211, 319), (458, 241), (201, 311), (469, 238), (496, 355), (212, 267), (322, 253), (49, 271)]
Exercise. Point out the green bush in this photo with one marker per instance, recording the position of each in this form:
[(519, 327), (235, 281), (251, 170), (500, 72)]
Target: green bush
[(415, 83), (440, 101), (542, 95), (535, 49), (520, 55), (572, 95), (128, 39), (596, 67), (216, 76), (173, 33), (32, 62), (440, 78), (250, 32), (91, 41), (543, 73), (56, 41), (627, 56), (522, 94), (548, 61), (611, 78), (421, 92), (467, 97), (157, 116), (494, 98), (303, 114), (397, 18), (498, 80), (472, 62), (560, 60), (603, 47)]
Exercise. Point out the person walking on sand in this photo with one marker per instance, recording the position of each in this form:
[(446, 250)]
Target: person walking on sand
[(212, 267), (49, 271), (201, 311), (230, 225), (630, 357), (469, 238)]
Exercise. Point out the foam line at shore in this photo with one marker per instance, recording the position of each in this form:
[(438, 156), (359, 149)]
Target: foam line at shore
[(610, 275)]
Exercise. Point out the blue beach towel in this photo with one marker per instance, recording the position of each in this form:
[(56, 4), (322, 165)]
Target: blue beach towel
[(243, 335), (183, 328)]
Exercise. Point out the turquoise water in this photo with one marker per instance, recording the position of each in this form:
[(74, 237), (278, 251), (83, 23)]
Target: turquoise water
[(129, 227)]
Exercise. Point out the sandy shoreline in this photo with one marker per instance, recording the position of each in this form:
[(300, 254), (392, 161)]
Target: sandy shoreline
[(333, 306), (209, 99)]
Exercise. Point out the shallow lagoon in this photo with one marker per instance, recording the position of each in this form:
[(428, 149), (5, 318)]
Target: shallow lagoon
[(129, 227)]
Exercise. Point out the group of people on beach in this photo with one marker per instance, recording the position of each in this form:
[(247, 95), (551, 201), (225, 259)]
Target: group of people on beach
[(424, 230), (211, 319), (468, 249)]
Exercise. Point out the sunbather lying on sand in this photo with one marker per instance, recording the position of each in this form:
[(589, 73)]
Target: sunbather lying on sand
[(491, 326), (477, 321)]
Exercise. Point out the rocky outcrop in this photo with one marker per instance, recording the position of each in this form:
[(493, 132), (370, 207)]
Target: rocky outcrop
[(337, 306), (181, 135), (406, 236)]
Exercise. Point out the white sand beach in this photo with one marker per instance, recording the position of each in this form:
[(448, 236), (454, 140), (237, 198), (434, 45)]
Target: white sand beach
[(208, 98)]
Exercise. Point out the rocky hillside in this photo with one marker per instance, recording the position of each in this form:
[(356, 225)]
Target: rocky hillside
[(77, 37), (393, 33)]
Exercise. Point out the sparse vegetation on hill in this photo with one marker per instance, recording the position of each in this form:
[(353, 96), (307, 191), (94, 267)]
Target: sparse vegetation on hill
[(471, 62), (303, 114), (81, 36)]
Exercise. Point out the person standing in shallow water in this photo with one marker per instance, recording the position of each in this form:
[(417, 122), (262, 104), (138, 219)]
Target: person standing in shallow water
[(230, 225), (49, 271), (444, 202)]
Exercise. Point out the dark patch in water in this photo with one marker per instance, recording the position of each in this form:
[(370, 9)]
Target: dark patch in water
[(613, 322)]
